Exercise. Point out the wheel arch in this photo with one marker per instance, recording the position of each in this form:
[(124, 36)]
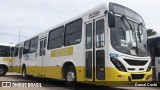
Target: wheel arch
[(5, 66), (65, 66)]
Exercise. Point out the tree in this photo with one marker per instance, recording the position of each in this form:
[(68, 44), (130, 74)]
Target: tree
[(151, 32)]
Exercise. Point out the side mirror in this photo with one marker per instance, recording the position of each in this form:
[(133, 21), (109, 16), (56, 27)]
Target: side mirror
[(111, 20)]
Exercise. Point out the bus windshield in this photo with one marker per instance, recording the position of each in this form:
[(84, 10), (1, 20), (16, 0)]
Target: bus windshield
[(4, 51), (129, 35), (128, 38)]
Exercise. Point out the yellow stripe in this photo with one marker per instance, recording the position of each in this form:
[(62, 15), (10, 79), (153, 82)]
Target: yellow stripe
[(62, 52), (8, 59)]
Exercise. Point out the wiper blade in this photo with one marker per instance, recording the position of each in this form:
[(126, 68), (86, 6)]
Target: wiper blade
[(139, 31), (133, 30), (124, 18)]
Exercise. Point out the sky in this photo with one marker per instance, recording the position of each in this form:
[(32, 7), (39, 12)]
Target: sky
[(30, 17)]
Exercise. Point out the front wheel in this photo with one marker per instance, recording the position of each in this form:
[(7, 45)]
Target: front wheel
[(70, 76), (2, 71)]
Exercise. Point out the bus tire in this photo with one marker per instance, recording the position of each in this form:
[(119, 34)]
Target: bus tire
[(24, 74), (3, 71), (70, 76)]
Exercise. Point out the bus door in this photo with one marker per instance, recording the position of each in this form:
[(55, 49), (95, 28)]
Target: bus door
[(95, 53), (41, 57), (16, 58), (20, 57)]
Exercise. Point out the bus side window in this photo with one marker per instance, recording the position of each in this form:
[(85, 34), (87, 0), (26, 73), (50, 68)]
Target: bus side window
[(26, 47), (73, 33), (55, 39), (33, 45)]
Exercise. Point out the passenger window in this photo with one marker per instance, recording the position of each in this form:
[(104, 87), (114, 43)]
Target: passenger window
[(33, 45), (56, 38), (73, 32), (26, 47)]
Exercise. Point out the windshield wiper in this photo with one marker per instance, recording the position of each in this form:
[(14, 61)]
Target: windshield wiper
[(123, 19), (131, 28), (139, 36)]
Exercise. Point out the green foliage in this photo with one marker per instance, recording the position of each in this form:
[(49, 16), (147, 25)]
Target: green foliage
[(151, 32)]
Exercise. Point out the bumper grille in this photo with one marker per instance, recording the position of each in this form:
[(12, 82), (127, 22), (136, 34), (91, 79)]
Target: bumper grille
[(136, 62), (137, 76)]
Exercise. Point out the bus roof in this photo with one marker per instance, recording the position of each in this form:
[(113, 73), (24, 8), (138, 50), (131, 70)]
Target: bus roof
[(104, 5), (7, 44)]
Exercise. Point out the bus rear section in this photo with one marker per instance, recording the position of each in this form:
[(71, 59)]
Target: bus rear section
[(6, 58)]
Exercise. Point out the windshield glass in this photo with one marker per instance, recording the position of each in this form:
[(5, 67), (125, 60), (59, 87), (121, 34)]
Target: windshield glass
[(4, 51), (121, 10), (129, 37)]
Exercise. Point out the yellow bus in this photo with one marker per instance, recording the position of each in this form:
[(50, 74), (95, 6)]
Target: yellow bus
[(107, 43), (6, 57)]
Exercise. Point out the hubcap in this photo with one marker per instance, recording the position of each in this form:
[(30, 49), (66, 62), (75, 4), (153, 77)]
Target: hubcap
[(70, 76), (1, 71)]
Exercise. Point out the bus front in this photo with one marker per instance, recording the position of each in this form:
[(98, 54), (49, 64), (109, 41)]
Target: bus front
[(128, 49)]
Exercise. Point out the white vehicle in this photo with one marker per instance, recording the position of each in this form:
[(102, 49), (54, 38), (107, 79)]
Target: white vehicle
[(154, 48), (107, 43), (6, 57)]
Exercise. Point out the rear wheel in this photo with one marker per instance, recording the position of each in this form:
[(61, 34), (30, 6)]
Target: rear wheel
[(70, 76), (3, 71), (24, 74)]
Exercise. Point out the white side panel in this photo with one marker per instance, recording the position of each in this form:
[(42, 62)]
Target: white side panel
[(157, 66)]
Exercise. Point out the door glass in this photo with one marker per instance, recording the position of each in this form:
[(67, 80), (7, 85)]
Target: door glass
[(89, 64), (20, 53), (44, 49), (100, 33), (89, 36), (41, 48), (100, 64), (12, 51)]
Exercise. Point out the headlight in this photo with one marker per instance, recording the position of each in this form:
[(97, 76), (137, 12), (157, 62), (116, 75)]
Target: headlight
[(118, 65), (149, 67)]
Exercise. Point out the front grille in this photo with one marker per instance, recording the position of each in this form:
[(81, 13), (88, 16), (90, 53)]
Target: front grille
[(137, 76), (136, 62), (132, 69)]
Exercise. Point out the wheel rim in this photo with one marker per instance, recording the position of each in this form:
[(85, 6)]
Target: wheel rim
[(70, 76), (1, 71)]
